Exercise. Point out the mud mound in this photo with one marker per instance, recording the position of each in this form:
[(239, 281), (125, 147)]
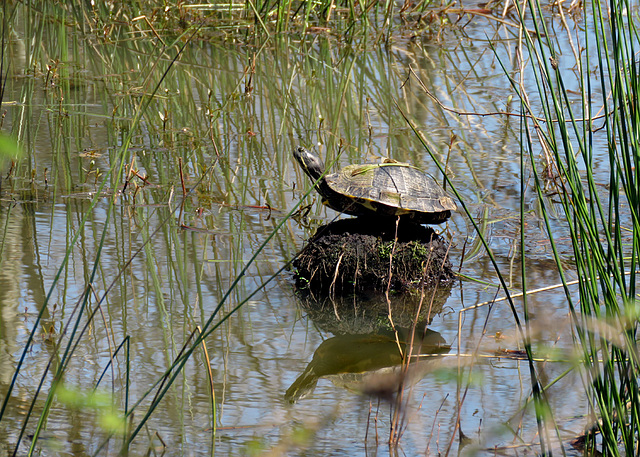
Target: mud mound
[(364, 256)]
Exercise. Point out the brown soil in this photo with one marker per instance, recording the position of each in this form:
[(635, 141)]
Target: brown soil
[(355, 256)]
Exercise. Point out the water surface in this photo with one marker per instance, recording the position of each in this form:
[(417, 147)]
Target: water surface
[(167, 262)]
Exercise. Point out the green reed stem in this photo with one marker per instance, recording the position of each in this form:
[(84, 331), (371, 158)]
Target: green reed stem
[(115, 170), (604, 229)]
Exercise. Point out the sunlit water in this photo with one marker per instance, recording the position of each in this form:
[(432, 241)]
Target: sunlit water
[(179, 275)]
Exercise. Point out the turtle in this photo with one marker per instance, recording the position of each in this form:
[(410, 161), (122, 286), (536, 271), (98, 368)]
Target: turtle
[(387, 189)]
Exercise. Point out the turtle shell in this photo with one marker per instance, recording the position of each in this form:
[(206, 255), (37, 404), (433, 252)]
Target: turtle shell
[(392, 189)]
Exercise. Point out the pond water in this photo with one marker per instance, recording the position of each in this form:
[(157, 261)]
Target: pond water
[(161, 263)]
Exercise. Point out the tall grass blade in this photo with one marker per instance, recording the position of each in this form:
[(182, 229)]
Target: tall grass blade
[(604, 226)]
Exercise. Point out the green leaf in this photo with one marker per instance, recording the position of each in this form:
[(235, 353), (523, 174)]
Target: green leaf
[(8, 148)]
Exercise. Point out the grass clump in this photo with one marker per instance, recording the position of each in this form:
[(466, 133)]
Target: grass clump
[(250, 20), (603, 220)]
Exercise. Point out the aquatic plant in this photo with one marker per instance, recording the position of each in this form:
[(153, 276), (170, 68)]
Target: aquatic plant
[(603, 221), (196, 185)]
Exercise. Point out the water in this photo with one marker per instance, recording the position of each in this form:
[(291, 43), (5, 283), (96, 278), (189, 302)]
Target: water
[(164, 269)]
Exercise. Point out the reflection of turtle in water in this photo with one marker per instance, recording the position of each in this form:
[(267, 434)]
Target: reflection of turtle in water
[(385, 189), (360, 361)]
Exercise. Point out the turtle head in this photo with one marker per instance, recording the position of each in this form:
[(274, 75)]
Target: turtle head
[(312, 165)]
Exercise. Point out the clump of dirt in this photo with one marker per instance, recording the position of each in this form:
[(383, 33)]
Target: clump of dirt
[(356, 256)]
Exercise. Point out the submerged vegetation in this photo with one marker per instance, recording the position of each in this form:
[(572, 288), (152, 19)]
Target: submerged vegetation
[(147, 222)]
